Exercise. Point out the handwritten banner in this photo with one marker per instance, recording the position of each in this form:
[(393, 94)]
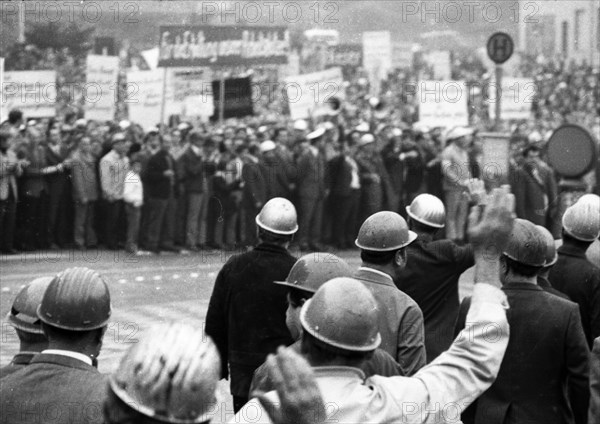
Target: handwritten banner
[(443, 103), (32, 92), (307, 92), (101, 87), (145, 96)]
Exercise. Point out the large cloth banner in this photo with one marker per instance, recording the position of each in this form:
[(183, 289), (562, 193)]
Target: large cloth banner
[(186, 82), (144, 97), (517, 96), (307, 92), (32, 92), (186, 45), (345, 55), (443, 103), (100, 94)]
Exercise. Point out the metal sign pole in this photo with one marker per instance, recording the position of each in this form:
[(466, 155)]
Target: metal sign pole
[(498, 122), (222, 99), (164, 98)]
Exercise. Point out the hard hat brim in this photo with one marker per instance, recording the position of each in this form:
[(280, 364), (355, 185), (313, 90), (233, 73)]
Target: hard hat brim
[(534, 264), (71, 327), (274, 231), (423, 221), (412, 236), (22, 325), (368, 348), (295, 286)]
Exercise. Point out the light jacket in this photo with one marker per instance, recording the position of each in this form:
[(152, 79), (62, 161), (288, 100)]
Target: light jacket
[(133, 190), (8, 176), (113, 170), (437, 393)]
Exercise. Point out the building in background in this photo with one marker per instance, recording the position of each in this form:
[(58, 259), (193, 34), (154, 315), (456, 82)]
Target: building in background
[(568, 29)]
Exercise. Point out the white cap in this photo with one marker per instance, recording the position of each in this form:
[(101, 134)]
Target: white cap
[(535, 137), (151, 130), (363, 127), (319, 132), (183, 126), (327, 125), (366, 139), (374, 101), (420, 127), (458, 132), (267, 146), (301, 125), (124, 124), (81, 123), (263, 129), (397, 132)]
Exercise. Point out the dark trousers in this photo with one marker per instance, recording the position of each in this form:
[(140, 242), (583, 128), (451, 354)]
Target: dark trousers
[(85, 234), (250, 212), (32, 223), (133, 227), (309, 220), (8, 215), (344, 218), (238, 403), (56, 225), (114, 215), (371, 200), (161, 223)]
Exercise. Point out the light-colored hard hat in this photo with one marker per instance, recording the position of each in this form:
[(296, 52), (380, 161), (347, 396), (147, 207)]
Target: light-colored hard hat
[(170, 375), (77, 299), (458, 132), (311, 271), (525, 244), (384, 232), (278, 216), (267, 146), (23, 313), (428, 210), (582, 220), (301, 125), (551, 255), (319, 132), (366, 139), (343, 314)]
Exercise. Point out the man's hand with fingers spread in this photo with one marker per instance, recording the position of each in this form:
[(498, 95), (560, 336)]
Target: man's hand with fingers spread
[(489, 231), (299, 395)]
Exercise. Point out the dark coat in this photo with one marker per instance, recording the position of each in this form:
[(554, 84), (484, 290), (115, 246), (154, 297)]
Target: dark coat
[(63, 388), (576, 277), (431, 278), (545, 367), (246, 312), (594, 412), (529, 195), (20, 360), (255, 185), (277, 179), (191, 171), (339, 176), (156, 184), (311, 175), (545, 284)]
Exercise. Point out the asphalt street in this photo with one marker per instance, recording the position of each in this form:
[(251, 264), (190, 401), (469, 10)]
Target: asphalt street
[(144, 290)]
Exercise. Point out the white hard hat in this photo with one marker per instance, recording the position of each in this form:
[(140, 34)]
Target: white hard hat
[(366, 139), (535, 137), (278, 216), (582, 220), (363, 127), (319, 132), (301, 125), (458, 132), (429, 210), (124, 124), (267, 146)]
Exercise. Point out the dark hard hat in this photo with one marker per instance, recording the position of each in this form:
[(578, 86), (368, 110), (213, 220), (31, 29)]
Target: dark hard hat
[(384, 232), (23, 314), (313, 270), (526, 244)]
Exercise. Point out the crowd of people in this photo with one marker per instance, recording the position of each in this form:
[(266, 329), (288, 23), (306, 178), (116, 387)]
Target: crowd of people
[(389, 342)]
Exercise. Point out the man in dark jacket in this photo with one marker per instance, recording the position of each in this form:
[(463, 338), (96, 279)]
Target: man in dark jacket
[(573, 274), (431, 275), (544, 374), (161, 191), (344, 184), (276, 177), (23, 317), (61, 384), (246, 313), (551, 258)]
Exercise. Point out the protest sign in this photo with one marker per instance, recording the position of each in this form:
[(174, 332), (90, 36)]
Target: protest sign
[(377, 56), (185, 82), (188, 45), (32, 92), (443, 103), (307, 92), (440, 62), (101, 87), (496, 157), (344, 55), (402, 55), (144, 96), (517, 96), (3, 113), (237, 98)]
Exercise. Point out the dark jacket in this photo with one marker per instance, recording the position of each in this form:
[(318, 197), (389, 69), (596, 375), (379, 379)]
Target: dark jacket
[(191, 171), (594, 412), (543, 378), (246, 312), (156, 184), (529, 194), (255, 185), (576, 277), (53, 386), (545, 284), (277, 179), (339, 173), (311, 175), (33, 183), (20, 360), (431, 279)]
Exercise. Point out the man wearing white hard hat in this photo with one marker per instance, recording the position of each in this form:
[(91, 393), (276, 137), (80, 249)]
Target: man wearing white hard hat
[(456, 172), (312, 191), (246, 312), (573, 274)]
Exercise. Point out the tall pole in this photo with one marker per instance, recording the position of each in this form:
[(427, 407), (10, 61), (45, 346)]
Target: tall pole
[(164, 97), (222, 98), (498, 122), (22, 22)]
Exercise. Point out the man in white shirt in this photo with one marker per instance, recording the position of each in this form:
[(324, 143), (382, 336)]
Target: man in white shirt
[(62, 384)]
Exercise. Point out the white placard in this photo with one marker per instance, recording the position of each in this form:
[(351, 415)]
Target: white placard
[(151, 57), (199, 106), (439, 60), (402, 55), (518, 95), (32, 92), (377, 55), (101, 87), (3, 113), (145, 96), (443, 103), (184, 82), (307, 92)]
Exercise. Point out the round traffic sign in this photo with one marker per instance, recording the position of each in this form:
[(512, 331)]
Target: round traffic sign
[(572, 151), (500, 47)]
